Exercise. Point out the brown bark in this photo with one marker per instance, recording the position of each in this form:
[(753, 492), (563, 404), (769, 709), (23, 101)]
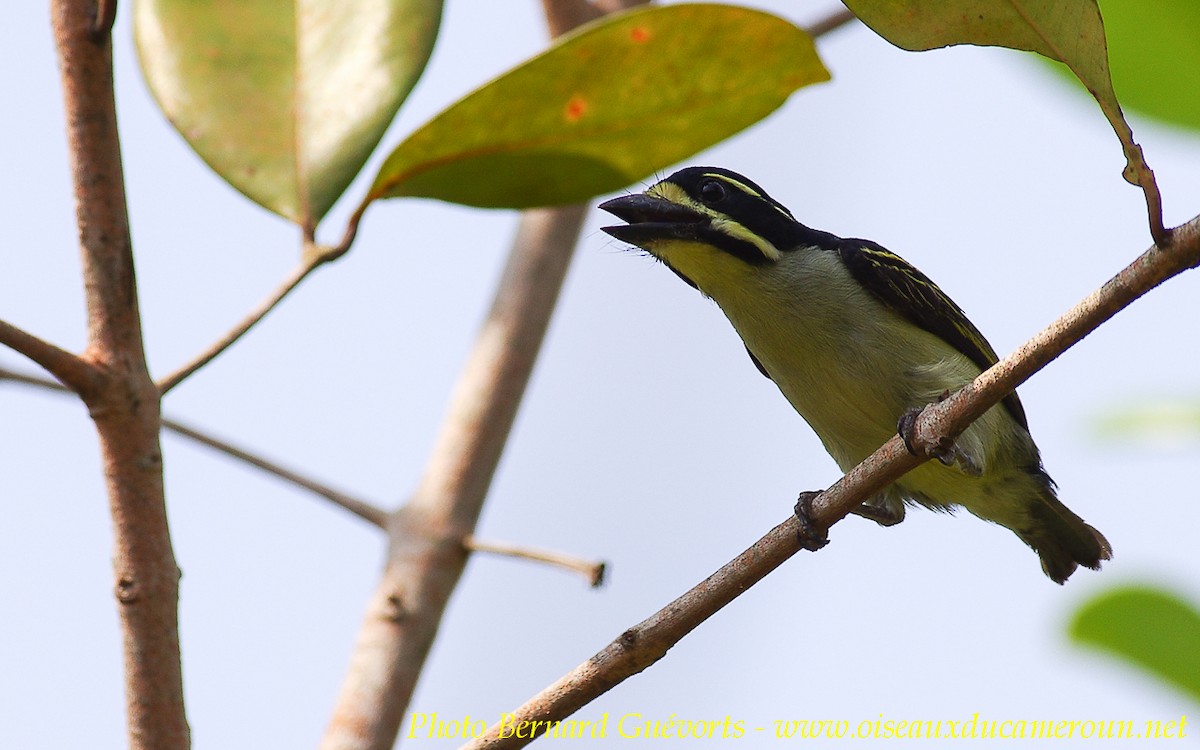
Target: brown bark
[(124, 402)]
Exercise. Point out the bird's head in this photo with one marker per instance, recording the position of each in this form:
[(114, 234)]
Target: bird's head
[(707, 224)]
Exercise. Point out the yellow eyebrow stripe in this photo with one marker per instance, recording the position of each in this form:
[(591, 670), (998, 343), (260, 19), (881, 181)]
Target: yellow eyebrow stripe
[(750, 191), (739, 185)]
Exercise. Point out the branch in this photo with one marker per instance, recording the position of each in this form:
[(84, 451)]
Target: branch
[(34, 380), (74, 372), (833, 21), (592, 571), (314, 257), (426, 554), (564, 15), (126, 409), (647, 642), (361, 508)]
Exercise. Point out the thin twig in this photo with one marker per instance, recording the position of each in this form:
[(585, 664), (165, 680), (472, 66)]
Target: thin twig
[(359, 507), (34, 380), (645, 643), (314, 257), (833, 21), (567, 14), (592, 570)]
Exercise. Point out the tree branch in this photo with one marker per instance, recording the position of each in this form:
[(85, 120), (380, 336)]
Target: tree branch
[(564, 15), (126, 409), (426, 555), (370, 513), (833, 21), (591, 570), (72, 371), (647, 642)]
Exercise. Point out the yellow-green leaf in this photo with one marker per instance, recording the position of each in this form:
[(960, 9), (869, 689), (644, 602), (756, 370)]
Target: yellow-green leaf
[(1063, 30), (1070, 31), (1154, 49), (604, 107), (285, 99), (1148, 627)]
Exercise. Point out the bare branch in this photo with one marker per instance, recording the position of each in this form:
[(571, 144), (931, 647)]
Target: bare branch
[(126, 409), (592, 570), (314, 257), (564, 15), (645, 643), (426, 556), (361, 508), (833, 21), (648, 641), (34, 380), (1152, 268), (74, 372)]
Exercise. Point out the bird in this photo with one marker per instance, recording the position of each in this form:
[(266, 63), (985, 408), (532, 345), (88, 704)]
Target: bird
[(857, 340)]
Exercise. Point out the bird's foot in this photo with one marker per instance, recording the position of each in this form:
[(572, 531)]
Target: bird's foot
[(811, 536), (880, 514), (944, 449)]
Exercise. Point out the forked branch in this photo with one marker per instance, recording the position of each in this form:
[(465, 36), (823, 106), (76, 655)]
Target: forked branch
[(125, 409)]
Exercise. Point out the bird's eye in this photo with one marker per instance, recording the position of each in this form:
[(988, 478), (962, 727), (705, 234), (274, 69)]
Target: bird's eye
[(712, 191)]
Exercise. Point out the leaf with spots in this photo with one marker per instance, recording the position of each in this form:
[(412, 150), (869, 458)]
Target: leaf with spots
[(605, 107)]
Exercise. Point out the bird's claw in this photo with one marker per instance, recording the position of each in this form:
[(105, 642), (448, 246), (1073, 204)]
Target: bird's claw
[(944, 450), (810, 535)]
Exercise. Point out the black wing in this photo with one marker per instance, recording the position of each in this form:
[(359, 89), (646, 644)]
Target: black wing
[(911, 293), (759, 365)]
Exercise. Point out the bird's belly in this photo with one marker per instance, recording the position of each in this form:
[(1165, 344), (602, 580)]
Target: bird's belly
[(851, 404), (851, 383)]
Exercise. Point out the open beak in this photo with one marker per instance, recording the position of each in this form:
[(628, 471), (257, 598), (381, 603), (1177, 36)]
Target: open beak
[(651, 219)]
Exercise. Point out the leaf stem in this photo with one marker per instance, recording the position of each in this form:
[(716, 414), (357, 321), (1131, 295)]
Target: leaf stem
[(313, 257)]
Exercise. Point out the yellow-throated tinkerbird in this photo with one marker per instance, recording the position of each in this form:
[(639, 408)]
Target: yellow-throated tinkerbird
[(856, 339)]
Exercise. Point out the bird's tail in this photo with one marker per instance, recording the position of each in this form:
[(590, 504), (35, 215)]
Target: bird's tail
[(1063, 540)]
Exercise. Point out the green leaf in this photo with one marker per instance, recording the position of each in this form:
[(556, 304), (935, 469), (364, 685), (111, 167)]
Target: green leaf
[(605, 107), (1070, 31), (1065, 30), (1154, 48), (1147, 627), (285, 99)]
